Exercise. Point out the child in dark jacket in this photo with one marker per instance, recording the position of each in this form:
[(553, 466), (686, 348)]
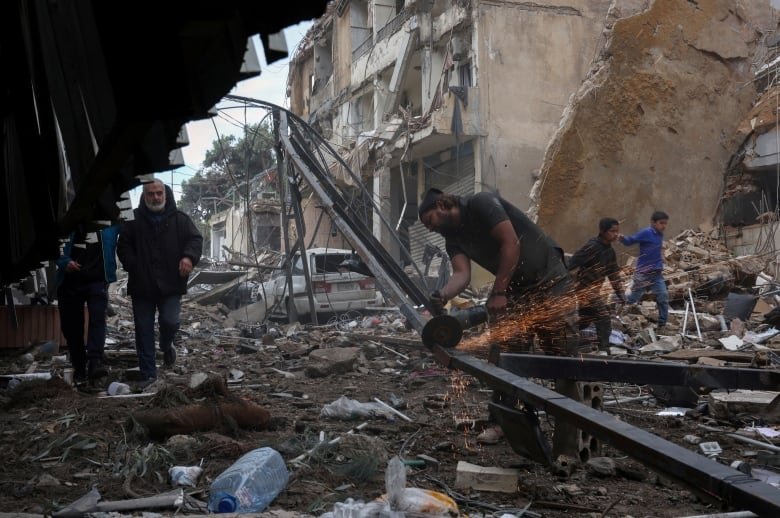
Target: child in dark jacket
[(594, 262)]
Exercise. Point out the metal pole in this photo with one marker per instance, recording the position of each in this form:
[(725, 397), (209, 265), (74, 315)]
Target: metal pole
[(695, 317), (298, 215), (292, 313)]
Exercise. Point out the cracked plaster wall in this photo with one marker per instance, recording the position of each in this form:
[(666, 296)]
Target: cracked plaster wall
[(531, 58), (655, 124)]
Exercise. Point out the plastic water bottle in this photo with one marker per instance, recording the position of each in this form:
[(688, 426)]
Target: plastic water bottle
[(250, 483)]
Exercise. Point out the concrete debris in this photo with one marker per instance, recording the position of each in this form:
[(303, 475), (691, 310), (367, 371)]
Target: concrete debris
[(300, 383), (729, 405)]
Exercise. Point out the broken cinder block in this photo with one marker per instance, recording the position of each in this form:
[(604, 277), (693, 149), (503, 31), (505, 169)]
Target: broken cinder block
[(482, 478)]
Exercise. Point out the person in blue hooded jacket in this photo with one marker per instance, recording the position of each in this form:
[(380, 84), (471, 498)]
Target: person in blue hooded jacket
[(84, 270)]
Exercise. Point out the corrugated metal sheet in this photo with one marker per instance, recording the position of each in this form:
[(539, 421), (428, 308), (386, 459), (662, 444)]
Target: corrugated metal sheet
[(36, 324)]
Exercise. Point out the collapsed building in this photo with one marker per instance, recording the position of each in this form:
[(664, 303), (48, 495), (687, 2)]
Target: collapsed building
[(571, 112)]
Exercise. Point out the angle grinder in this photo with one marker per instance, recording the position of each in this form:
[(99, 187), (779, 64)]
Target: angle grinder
[(447, 330)]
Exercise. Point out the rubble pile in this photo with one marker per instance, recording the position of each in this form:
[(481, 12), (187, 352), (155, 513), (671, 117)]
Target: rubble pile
[(697, 261), (342, 401)]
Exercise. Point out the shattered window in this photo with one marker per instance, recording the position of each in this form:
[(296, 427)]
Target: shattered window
[(329, 263)]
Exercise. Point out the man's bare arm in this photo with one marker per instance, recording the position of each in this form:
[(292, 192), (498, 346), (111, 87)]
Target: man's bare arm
[(461, 276), (509, 254)]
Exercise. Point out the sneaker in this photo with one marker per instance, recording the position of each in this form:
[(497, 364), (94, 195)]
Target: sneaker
[(145, 383), (169, 357), (95, 369), (490, 435), (79, 378)]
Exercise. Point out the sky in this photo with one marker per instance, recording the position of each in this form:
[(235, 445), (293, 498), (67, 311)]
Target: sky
[(268, 86)]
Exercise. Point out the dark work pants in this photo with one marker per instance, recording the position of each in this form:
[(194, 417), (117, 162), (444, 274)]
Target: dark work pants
[(548, 313), (144, 310), (71, 301), (596, 312)]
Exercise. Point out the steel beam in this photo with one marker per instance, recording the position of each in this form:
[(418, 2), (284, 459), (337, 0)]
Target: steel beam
[(639, 372), (731, 487), (388, 274)]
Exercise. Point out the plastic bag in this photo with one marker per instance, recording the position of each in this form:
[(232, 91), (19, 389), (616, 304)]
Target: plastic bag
[(398, 500), (345, 408), (185, 475)]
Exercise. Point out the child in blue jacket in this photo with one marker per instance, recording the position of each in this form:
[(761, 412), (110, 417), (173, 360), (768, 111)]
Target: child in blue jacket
[(650, 264)]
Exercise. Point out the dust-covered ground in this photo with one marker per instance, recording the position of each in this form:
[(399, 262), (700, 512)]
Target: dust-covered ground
[(59, 442)]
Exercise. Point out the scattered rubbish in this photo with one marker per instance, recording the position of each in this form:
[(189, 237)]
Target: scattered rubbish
[(27, 376), (617, 338), (760, 444), (185, 475), (393, 410), (288, 375), (197, 379), (692, 439), (398, 501), (91, 503), (118, 389), (710, 449), (732, 343), (759, 338), (250, 484), (323, 443), (673, 411), (763, 431), (346, 408)]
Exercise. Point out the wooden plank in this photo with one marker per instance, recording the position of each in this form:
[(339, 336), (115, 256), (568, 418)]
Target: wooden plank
[(482, 478)]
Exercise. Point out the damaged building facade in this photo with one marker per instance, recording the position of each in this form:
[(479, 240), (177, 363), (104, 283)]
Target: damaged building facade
[(446, 94), (656, 124), (246, 228), (750, 200), (571, 111)]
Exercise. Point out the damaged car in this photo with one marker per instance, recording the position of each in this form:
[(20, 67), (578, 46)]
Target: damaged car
[(340, 283)]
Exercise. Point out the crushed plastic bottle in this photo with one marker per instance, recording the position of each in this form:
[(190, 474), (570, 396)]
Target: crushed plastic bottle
[(250, 484)]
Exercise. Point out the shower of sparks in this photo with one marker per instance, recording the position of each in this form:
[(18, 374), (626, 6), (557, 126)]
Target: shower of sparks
[(536, 313), (469, 410)]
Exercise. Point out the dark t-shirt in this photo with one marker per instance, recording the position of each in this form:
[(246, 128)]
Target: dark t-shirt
[(541, 260), (595, 261)]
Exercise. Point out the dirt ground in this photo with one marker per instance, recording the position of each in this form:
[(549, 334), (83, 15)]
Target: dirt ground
[(57, 442)]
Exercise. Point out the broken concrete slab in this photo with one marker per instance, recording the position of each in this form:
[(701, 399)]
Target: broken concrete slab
[(337, 360), (727, 405)]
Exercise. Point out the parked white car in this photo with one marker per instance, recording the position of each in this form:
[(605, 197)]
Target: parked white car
[(335, 289)]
